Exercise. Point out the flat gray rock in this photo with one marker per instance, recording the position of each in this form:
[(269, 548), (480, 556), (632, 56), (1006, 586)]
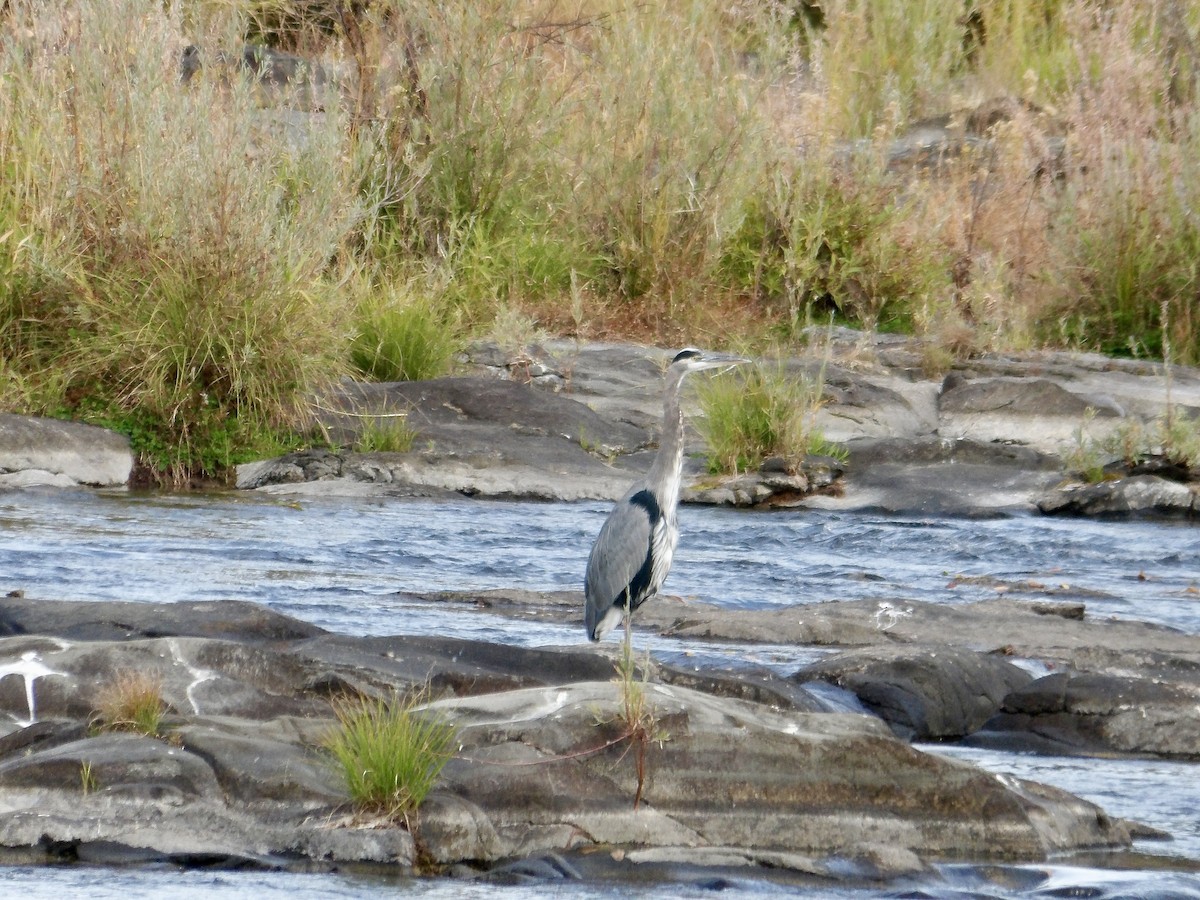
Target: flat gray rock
[(736, 776), (58, 453), (733, 770), (937, 476), (1136, 496), (121, 620), (567, 421)]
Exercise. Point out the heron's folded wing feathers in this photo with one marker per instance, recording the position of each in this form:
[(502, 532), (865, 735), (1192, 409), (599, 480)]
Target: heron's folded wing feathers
[(618, 555)]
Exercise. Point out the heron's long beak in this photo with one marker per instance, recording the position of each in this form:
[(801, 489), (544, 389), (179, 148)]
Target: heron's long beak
[(723, 361)]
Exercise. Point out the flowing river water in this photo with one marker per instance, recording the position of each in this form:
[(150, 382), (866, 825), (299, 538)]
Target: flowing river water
[(338, 563)]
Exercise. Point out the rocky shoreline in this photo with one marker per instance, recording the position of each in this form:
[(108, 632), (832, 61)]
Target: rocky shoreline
[(756, 768), (562, 421), (565, 421)]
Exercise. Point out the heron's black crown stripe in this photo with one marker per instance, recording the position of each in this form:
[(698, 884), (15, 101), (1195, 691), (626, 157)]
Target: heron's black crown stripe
[(689, 353)]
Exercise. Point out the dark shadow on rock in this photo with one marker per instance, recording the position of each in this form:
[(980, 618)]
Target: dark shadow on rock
[(376, 665), (41, 735), (549, 867), (113, 620), (753, 685)]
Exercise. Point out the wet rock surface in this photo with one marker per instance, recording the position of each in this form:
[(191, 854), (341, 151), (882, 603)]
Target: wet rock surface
[(1136, 495), (934, 671), (1097, 713), (741, 768)]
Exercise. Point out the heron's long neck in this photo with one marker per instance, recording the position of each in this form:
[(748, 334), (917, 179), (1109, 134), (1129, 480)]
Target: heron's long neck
[(668, 465)]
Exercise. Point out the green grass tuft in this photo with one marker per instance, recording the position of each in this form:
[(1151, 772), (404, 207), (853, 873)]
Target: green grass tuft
[(87, 778), (391, 752), (385, 434), (172, 253), (831, 239), (759, 411), (401, 338), (132, 701)]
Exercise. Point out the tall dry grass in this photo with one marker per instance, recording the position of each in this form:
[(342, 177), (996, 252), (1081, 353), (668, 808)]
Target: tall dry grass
[(176, 242), (528, 148), (1126, 222)]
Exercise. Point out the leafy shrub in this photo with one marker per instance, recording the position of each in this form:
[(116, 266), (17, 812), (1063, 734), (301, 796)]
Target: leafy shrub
[(459, 155), (1172, 436), (831, 239), (1125, 279), (1132, 241)]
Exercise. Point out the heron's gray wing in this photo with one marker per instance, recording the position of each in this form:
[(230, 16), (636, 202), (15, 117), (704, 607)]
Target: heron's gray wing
[(619, 554)]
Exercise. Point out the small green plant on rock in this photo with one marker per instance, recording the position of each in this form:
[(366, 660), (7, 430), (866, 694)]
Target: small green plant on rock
[(389, 433), (1172, 438), (641, 725), (1084, 457), (402, 337), (132, 702), (760, 412), (1180, 439), (391, 752), (87, 778)]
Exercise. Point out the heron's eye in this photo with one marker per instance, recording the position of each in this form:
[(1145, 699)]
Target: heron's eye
[(687, 353)]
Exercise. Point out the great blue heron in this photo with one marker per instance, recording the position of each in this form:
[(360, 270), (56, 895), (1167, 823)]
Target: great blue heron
[(632, 555)]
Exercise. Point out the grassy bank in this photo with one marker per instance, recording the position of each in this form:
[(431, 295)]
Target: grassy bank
[(189, 260)]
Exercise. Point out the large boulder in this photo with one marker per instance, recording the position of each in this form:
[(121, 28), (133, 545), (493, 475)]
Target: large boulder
[(41, 677), (1038, 412), (928, 692), (1136, 496), (475, 435), (55, 452), (548, 760), (941, 476), (931, 670), (549, 769), (1101, 713), (562, 420)]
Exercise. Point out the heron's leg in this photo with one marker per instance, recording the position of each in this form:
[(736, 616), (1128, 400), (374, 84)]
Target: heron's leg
[(627, 649)]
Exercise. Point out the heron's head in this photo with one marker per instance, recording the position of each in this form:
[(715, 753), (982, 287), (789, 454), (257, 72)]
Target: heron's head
[(692, 360)]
